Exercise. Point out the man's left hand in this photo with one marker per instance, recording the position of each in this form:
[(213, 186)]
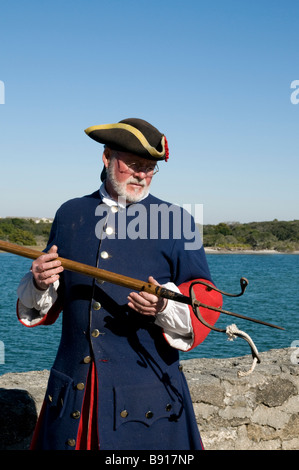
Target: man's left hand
[(145, 303)]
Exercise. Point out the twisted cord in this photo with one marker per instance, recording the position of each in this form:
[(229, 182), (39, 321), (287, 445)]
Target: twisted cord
[(232, 332)]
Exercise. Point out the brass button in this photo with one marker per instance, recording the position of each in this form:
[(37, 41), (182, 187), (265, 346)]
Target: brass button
[(104, 255), (96, 305), (80, 386), (114, 209), (168, 407), (76, 414), (87, 359), (149, 414), (124, 413), (71, 442), (95, 333), (109, 230), (50, 398)]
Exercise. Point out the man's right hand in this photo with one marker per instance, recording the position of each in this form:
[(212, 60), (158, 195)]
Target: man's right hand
[(46, 269)]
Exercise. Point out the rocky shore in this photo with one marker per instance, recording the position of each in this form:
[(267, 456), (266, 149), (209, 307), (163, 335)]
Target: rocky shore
[(255, 412)]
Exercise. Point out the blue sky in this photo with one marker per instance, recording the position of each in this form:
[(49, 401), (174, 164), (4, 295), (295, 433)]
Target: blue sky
[(214, 76)]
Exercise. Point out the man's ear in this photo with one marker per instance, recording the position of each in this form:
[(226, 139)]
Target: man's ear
[(106, 157)]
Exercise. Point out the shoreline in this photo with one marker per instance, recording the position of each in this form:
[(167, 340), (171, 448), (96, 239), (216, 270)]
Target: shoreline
[(210, 251), (228, 251), (235, 251)]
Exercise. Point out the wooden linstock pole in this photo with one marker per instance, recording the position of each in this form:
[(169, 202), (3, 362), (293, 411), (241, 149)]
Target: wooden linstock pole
[(94, 272), (121, 280)]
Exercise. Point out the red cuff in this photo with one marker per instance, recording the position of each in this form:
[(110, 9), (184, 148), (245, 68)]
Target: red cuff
[(208, 297), (47, 319)]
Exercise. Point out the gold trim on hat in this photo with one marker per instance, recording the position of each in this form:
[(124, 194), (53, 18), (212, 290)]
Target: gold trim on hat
[(127, 127)]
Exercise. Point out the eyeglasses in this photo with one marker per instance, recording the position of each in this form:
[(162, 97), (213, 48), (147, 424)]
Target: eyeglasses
[(135, 168)]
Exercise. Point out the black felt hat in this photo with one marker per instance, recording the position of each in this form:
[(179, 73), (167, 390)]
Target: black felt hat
[(134, 136)]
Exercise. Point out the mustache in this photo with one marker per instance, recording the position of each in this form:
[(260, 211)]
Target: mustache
[(134, 180)]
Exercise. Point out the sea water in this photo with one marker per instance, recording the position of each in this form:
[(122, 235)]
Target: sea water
[(272, 296)]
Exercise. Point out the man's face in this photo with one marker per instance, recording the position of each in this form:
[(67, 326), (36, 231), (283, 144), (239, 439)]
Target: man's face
[(128, 175)]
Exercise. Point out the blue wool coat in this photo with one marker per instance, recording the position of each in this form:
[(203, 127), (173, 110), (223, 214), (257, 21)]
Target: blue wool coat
[(143, 398)]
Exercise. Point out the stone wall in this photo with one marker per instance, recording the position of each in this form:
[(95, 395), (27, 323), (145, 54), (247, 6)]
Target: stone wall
[(257, 412)]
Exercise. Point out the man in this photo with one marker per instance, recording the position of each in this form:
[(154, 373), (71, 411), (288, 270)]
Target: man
[(116, 382)]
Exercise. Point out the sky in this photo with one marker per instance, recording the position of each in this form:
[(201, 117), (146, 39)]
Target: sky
[(214, 76)]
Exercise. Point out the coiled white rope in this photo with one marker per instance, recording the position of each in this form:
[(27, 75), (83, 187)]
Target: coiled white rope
[(232, 332)]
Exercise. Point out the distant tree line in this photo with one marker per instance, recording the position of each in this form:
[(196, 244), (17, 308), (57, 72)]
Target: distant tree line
[(24, 231), (274, 235)]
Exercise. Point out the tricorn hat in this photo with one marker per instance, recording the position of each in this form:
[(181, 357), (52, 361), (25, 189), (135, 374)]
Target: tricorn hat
[(134, 136)]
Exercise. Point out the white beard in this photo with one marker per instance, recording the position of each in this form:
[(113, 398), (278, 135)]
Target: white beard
[(121, 188)]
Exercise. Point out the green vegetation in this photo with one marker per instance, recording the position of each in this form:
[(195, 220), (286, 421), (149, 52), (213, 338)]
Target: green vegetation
[(25, 231), (275, 235)]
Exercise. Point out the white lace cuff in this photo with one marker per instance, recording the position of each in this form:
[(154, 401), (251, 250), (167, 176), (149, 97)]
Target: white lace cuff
[(34, 304), (176, 322)]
